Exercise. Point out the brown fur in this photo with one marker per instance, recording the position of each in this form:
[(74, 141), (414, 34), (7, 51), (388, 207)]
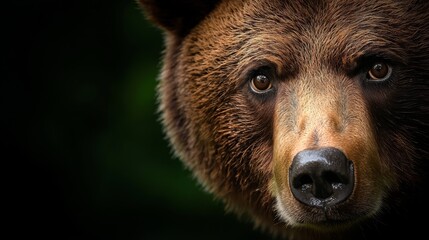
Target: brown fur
[(240, 146)]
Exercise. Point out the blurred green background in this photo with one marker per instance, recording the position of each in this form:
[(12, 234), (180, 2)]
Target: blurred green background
[(84, 155)]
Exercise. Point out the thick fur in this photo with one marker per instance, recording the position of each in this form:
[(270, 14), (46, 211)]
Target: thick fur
[(240, 144)]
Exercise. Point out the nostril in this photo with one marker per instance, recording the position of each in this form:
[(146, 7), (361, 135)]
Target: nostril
[(321, 177), (303, 182), (333, 178)]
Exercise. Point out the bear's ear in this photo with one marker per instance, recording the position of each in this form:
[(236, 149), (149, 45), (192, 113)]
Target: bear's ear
[(177, 16)]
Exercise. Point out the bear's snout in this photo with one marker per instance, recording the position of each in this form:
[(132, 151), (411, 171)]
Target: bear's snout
[(321, 177)]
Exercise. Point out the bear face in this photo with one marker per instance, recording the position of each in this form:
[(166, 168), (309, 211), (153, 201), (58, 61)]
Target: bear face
[(310, 116)]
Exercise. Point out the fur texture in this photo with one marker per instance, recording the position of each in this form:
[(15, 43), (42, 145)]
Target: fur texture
[(317, 55)]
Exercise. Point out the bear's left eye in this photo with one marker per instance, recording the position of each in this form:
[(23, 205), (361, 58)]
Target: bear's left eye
[(260, 84), (380, 71)]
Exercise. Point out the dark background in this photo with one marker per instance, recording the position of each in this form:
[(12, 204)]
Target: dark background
[(83, 152)]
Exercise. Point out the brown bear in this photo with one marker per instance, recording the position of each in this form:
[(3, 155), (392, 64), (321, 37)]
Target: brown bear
[(309, 116)]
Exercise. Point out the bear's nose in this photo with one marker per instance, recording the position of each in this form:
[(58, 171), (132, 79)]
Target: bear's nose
[(321, 177)]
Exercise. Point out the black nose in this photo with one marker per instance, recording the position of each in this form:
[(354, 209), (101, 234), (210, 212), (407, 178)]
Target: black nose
[(322, 177)]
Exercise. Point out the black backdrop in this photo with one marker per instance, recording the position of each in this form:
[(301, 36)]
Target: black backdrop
[(83, 152)]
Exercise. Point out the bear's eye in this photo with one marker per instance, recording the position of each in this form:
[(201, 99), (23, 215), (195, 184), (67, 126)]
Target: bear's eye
[(379, 72), (260, 84)]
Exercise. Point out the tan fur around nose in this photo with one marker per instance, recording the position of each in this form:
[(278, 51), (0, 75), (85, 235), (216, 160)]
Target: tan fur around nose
[(323, 109)]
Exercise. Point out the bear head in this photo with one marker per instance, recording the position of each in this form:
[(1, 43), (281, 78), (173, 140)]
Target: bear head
[(309, 116)]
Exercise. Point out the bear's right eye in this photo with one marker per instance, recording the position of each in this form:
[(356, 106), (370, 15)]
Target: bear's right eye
[(260, 84)]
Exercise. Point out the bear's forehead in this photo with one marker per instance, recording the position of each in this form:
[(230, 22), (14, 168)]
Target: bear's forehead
[(293, 32)]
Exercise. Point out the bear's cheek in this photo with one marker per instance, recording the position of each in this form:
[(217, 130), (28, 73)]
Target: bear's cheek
[(341, 178)]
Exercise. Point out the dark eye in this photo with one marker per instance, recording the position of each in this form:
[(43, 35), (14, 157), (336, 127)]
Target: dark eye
[(260, 84), (379, 72)]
